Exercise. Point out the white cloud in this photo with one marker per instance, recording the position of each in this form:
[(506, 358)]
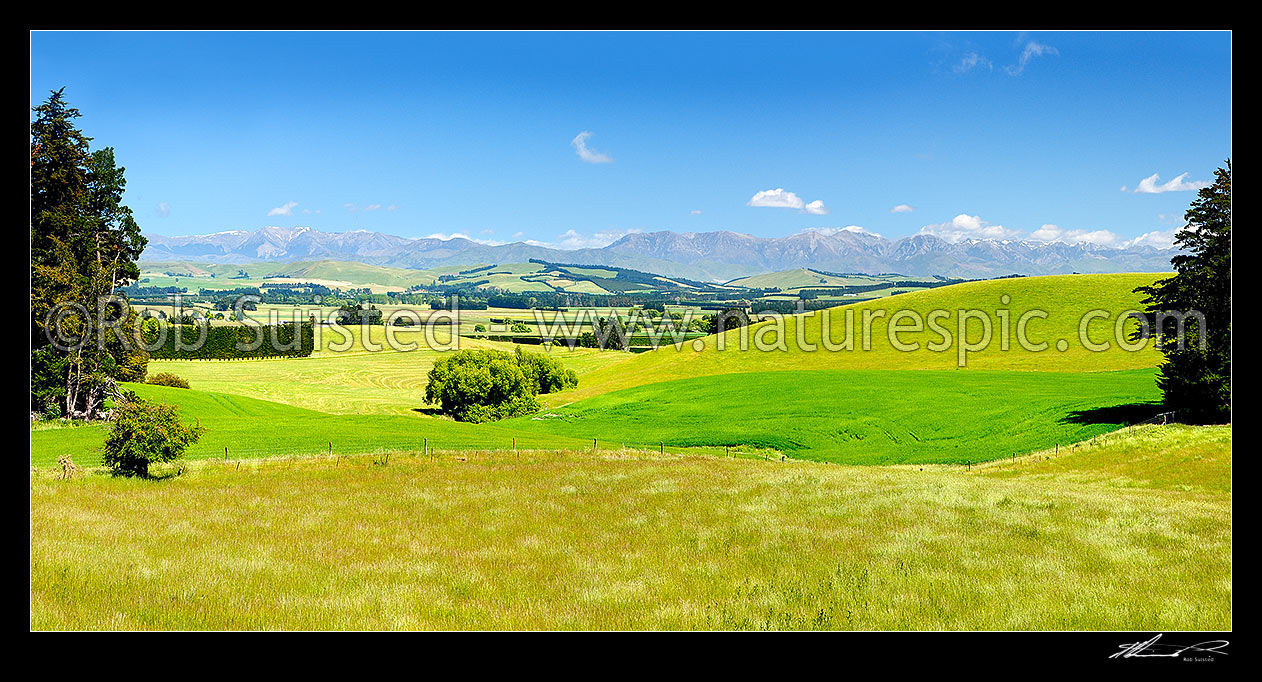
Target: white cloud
[(1032, 50), (579, 143), (695, 211), (287, 209), (816, 208), (964, 226), (972, 60), (163, 210), (1149, 185), (353, 208), (782, 198), (1156, 239), (1055, 233), (902, 208), (310, 210)]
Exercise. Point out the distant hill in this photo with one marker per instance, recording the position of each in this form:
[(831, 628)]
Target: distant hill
[(707, 256)]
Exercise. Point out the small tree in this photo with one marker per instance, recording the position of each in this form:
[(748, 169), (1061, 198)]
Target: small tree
[(146, 433), (727, 319), (1196, 376)]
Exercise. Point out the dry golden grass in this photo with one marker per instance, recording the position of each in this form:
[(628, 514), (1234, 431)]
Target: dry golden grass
[(1127, 534)]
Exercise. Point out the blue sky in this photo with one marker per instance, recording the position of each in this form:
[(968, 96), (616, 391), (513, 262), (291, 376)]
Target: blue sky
[(574, 139)]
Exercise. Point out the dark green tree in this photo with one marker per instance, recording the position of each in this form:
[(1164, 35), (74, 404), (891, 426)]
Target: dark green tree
[(1190, 313), (84, 244), (480, 386), (725, 320), (487, 385)]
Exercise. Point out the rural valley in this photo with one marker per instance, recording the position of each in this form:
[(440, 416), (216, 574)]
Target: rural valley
[(284, 427)]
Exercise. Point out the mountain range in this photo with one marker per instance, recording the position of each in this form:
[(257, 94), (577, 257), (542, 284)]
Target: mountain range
[(713, 256)]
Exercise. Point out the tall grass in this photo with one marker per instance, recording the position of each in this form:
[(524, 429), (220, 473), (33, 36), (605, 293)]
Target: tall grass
[(627, 540)]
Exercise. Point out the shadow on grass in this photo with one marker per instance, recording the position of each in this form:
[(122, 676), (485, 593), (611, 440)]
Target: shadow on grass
[(1131, 413), (429, 411)]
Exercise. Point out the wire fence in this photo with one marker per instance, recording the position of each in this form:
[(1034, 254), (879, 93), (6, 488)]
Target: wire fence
[(427, 447), (1162, 419)]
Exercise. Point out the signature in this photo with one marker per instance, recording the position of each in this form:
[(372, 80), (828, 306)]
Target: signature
[(1153, 649)]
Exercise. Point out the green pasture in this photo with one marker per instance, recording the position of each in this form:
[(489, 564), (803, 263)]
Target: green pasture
[(865, 416)]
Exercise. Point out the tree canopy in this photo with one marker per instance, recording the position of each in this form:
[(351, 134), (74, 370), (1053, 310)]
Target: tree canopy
[(84, 244), (1196, 376), (488, 385)]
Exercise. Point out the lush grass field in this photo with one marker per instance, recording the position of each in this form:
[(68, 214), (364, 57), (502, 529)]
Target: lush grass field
[(1065, 299), (249, 428), (1133, 533), (865, 416)]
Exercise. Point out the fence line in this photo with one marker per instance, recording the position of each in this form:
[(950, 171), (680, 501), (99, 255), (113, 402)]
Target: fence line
[(1162, 419), (427, 447)]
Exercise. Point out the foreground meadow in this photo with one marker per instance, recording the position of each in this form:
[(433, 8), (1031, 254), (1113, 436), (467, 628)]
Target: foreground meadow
[(1132, 532)]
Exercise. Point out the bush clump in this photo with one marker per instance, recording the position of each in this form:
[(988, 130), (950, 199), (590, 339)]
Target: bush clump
[(145, 433), (167, 379), (488, 385)]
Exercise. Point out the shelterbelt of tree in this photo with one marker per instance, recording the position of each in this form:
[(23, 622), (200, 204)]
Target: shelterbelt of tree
[(1054, 309)]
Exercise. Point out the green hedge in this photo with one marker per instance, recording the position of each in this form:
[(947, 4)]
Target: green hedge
[(221, 342)]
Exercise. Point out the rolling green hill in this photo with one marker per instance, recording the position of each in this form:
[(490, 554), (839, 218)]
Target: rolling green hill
[(510, 277), (1064, 298), (864, 406)]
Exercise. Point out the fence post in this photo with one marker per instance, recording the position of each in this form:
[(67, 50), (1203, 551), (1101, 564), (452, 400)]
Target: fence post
[(330, 448), (225, 453), (593, 445), (661, 447), (427, 447), (514, 447)]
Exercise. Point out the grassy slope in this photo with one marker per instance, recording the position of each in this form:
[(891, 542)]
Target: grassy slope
[(353, 381), (1066, 298), (864, 416), (1130, 534)]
